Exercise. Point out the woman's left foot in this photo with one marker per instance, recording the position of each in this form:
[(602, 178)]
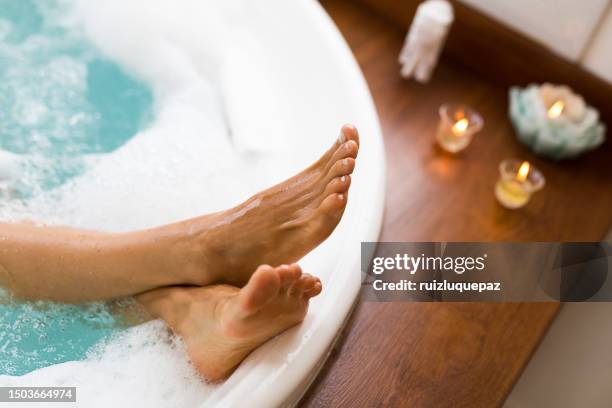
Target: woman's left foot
[(278, 225), (222, 324)]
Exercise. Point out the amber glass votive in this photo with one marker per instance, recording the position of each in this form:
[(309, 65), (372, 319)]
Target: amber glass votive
[(517, 182), (458, 125)]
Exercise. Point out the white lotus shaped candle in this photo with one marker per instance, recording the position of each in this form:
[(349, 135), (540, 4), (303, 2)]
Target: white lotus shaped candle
[(554, 121)]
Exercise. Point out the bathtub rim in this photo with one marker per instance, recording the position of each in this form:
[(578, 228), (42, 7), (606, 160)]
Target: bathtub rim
[(298, 376)]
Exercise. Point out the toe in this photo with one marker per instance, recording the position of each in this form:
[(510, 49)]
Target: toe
[(284, 275), (347, 149), (334, 204), (349, 132), (345, 145), (302, 285), (338, 185), (288, 274), (297, 270), (263, 285), (316, 288), (342, 168)]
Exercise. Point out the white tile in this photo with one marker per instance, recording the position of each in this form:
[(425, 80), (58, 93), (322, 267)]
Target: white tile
[(563, 25), (572, 367), (598, 57)]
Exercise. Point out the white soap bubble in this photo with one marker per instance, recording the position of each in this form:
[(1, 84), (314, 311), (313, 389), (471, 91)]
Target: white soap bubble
[(182, 164)]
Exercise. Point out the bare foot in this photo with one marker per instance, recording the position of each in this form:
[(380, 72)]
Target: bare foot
[(276, 226), (221, 324)]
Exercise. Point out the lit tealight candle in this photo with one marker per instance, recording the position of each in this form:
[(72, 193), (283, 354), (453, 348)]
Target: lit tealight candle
[(460, 127), (518, 181), (556, 109), (457, 127)]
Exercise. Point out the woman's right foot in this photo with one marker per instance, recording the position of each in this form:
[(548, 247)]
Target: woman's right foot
[(276, 226), (221, 324)]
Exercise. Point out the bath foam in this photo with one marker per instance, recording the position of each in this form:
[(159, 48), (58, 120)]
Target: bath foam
[(184, 164), (52, 109), (188, 161), (38, 334), (173, 45), (143, 367)]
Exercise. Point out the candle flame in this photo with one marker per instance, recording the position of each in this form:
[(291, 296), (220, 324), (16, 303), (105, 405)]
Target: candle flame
[(556, 109), (460, 126), (523, 171)]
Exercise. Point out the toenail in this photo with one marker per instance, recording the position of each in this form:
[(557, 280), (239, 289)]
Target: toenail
[(341, 138), (347, 146), (341, 197), (343, 179), (345, 162)]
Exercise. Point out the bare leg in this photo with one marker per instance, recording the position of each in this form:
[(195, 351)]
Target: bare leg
[(221, 324), (279, 225), (61, 264)]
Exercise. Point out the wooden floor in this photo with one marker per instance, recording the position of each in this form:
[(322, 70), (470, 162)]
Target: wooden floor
[(460, 355)]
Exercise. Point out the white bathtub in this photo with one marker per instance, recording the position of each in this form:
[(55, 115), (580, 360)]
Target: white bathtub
[(321, 86), (287, 81)]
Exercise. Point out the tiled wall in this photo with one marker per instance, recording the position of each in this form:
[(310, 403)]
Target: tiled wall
[(580, 31), (598, 55)]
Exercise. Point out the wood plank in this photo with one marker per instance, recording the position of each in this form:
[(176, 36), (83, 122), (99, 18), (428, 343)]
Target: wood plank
[(467, 354), (430, 355)]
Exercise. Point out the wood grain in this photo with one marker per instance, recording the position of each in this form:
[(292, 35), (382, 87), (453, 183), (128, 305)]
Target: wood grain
[(460, 355)]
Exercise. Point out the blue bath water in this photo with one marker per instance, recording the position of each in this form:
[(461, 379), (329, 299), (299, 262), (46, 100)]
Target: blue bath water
[(61, 100)]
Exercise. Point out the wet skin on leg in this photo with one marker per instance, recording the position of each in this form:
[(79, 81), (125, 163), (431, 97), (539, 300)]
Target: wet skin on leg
[(276, 226)]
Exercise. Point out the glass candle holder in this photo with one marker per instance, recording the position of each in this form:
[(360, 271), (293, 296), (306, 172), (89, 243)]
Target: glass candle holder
[(458, 125), (517, 182)]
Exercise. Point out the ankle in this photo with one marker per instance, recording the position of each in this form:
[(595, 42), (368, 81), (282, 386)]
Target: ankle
[(188, 253)]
